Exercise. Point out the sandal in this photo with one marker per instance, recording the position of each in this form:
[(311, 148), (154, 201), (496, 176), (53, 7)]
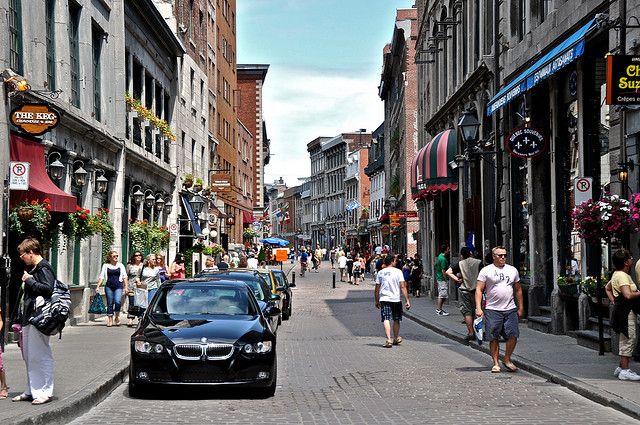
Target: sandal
[(22, 397), (42, 400), (397, 341), (495, 369), (510, 366), (4, 393), (388, 344)]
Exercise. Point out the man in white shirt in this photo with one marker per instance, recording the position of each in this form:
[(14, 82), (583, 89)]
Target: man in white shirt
[(342, 265), (389, 284), (252, 262), (501, 314)]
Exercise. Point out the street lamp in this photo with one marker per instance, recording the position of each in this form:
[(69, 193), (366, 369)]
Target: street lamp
[(101, 181), (168, 207), (469, 126), (80, 174), (137, 195), (149, 199), (160, 203), (56, 168), (196, 204)]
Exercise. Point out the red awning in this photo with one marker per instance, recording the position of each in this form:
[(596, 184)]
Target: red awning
[(40, 185), (384, 218), (247, 217), (430, 171)]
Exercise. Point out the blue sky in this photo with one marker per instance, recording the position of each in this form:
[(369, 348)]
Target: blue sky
[(325, 59)]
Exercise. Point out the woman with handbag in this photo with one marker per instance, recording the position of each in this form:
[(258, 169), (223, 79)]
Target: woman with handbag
[(150, 276), (134, 269), (38, 284), (114, 275)]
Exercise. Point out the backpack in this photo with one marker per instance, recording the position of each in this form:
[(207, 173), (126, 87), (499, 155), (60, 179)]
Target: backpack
[(50, 317)]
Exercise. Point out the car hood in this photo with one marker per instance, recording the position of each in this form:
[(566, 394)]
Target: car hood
[(193, 330)]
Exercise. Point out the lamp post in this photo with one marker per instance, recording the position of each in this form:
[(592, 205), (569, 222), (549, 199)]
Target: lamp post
[(389, 206), (469, 126)]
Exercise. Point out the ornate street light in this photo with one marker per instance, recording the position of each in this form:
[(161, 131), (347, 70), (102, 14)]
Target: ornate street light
[(469, 126), (197, 203), (168, 207), (56, 168), (80, 174), (101, 181), (160, 203), (138, 196), (149, 199)]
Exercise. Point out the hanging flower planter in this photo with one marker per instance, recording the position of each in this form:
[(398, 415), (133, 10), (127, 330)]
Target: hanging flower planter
[(25, 213), (187, 180)]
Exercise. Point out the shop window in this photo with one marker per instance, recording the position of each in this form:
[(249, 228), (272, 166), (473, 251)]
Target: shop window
[(51, 43)]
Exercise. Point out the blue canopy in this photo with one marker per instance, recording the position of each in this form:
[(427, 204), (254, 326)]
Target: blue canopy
[(557, 58), (275, 241)]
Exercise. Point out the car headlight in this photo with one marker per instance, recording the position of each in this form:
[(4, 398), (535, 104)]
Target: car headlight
[(259, 348), (147, 347)]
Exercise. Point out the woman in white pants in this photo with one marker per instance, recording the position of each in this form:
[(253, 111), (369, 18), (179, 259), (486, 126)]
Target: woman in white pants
[(38, 283)]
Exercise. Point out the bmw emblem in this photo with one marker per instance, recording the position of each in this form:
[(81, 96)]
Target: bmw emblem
[(203, 340)]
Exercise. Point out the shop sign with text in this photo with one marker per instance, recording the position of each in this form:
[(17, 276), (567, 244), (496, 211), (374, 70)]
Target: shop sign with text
[(220, 182), (526, 142), (35, 118), (623, 80)]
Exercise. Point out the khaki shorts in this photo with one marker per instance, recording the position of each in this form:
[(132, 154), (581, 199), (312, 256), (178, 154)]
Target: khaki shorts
[(443, 289), (467, 303), (628, 344)]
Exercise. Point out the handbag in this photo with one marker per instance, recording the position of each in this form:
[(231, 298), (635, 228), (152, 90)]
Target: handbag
[(140, 299), (97, 305)]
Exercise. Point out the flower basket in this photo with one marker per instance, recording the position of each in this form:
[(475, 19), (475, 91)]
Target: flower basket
[(148, 237), (187, 180), (25, 213), (569, 290), (31, 218), (608, 219), (206, 191)]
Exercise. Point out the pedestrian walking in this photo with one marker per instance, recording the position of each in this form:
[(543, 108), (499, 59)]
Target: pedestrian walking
[(4, 389), (209, 265), (350, 268), (162, 268), (252, 261), (342, 266), (177, 270), (442, 264), (318, 254), (625, 297), (356, 270), (37, 284), (390, 285), (500, 283), (224, 263), (116, 282), (416, 277), (150, 276), (134, 270), (465, 274), (332, 257)]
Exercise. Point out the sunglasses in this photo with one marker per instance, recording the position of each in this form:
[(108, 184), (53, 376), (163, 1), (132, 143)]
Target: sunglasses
[(501, 255)]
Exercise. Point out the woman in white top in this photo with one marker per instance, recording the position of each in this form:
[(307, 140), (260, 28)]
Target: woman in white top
[(150, 276), (116, 281)]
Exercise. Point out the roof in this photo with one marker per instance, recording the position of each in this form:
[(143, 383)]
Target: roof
[(332, 142), (252, 71)]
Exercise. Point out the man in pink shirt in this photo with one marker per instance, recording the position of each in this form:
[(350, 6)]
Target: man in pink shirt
[(501, 285)]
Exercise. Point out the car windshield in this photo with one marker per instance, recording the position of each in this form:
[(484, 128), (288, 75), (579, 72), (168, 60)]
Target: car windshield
[(280, 278), (202, 300)]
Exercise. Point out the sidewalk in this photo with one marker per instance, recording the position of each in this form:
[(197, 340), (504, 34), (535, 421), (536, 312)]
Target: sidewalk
[(557, 358), (90, 361)]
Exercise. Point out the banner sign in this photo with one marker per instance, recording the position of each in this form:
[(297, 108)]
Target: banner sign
[(403, 214), (623, 80), (526, 142), (34, 118)]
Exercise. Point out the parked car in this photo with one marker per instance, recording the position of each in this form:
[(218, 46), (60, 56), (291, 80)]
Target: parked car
[(204, 331), (257, 282), (287, 300)]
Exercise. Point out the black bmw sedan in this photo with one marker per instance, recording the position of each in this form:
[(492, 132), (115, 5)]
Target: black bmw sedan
[(204, 332)]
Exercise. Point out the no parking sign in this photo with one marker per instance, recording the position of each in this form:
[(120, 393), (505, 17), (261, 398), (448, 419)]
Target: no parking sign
[(19, 175), (582, 190)]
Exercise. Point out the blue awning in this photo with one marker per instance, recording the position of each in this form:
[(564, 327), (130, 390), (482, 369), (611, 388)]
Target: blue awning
[(195, 225), (557, 58)]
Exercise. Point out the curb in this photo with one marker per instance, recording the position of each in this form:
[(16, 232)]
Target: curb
[(76, 404), (579, 387)]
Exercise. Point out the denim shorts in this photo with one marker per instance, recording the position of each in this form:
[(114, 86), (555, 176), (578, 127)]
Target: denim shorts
[(503, 323), (391, 311)]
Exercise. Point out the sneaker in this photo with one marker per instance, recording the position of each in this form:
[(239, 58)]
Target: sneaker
[(628, 375), (438, 311), (617, 371), (442, 313)]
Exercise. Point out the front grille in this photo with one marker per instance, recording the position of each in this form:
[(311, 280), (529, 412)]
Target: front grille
[(188, 351), (219, 351)]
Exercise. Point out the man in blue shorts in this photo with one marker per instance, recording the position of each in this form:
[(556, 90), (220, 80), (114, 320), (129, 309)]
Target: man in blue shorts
[(389, 284), (501, 284)]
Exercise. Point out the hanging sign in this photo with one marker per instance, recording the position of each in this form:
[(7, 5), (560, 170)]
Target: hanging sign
[(526, 142), (220, 182), (34, 118), (623, 80)]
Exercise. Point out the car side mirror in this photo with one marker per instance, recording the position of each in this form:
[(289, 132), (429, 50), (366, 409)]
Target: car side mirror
[(275, 297), (136, 310), (272, 311)]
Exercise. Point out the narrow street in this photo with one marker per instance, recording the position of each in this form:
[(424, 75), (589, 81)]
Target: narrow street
[(333, 369)]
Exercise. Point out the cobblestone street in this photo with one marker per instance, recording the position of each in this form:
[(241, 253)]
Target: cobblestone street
[(333, 369)]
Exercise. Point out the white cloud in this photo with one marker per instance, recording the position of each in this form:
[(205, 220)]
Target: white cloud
[(300, 105)]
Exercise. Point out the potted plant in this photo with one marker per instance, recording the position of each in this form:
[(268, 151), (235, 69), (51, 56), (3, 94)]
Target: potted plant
[(187, 180), (206, 191), (608, 219), (567, 285), (31, 218), (197, 185)]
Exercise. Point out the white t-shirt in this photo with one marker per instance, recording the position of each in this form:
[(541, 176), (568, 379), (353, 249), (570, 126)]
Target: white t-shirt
[(499, 286), (342, 262), (389, 280), (252, 263)]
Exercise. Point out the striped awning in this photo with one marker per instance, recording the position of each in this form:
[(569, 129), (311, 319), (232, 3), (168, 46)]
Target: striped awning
[(430, 171)]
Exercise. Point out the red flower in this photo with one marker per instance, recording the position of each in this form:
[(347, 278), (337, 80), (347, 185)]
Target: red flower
[(83, 216), (34, 202), (46, 201), (78, 208), (145, 221)]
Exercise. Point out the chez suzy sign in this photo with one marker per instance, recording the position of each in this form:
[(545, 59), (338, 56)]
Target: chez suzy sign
[(35, 118), (526, 142)]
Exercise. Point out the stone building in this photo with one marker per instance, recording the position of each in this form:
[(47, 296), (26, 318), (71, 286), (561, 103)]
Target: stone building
[(375, 172), (318, 187)]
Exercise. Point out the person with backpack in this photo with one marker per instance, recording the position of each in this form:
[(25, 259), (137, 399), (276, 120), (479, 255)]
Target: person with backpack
[(356, 269), (38, 283)]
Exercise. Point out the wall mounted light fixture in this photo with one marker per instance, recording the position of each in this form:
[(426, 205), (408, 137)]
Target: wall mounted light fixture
[(56, 168)]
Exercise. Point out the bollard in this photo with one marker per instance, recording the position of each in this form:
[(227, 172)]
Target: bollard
[(293, 278), (334, 279)]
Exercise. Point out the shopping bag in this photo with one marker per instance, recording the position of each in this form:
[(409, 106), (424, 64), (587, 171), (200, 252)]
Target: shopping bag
[(478, 325), (140, 298), (97, 305)]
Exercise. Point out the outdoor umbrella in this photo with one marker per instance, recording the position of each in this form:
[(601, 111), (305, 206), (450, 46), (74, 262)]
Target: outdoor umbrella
[(275, 241)]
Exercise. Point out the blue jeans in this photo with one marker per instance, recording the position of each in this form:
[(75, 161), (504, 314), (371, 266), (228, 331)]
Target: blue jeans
[(151, 293), (114, 299)]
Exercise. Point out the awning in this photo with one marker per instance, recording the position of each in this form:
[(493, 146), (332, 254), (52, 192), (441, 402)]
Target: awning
[(195, 224), (557, 58), (247, 217), (430, 171), (384, 218), (40, 185)]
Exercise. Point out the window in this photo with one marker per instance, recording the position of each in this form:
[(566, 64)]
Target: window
[(96, 39), (522, 19), (74, 53), (192, 74), (51, 43), (15, 35)]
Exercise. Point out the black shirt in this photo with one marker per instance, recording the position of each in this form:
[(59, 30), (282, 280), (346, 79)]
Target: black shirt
[(40, 284)]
